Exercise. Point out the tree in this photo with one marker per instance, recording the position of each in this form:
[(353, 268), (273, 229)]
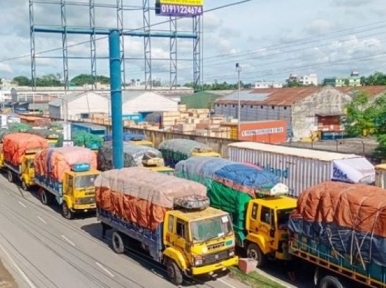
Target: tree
[(83, 79), (22, 81)]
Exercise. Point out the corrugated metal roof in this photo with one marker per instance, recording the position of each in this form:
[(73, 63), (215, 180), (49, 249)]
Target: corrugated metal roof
[(299, 152), (246, 95), (369, 90), (275, 96), (70, 97)]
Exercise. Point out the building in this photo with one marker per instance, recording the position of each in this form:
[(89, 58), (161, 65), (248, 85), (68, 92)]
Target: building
[(308, 80), (146, 101), (305, 109), (203, 99), (267, 84), (79, 105), (353, 81)]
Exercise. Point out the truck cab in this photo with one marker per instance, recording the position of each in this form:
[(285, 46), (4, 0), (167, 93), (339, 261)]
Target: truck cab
[(79, 190), (27, 171), (198, 242), (266, 224)]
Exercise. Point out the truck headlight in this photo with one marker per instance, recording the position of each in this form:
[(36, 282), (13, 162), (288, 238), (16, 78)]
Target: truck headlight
[(198, 260), (231, 253)]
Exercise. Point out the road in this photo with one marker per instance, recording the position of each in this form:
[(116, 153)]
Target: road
[(42, 249)]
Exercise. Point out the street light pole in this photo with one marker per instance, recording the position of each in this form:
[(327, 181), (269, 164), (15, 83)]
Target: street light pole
[(238, 69)]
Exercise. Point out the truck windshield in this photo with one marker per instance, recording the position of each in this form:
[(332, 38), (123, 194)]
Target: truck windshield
[(204, 230), (283, 217), (31, 163), (84, 181)]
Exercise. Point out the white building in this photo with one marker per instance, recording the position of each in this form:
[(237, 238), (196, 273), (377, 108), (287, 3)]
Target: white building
[(146, 101), (267, 84), (78, 104), (311, 79)]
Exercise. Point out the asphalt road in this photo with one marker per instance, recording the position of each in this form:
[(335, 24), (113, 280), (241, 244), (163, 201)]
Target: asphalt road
[(42, 249)]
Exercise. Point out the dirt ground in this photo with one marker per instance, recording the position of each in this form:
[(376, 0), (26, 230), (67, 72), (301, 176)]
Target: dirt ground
[(6, 279)]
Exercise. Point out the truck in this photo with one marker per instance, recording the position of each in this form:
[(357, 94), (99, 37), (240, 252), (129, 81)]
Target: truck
[(51, 136), (89, 128), (254, 198), (133, 156), (300, 168), (66, 176), (133, 138), (380, 175), (337, 229), (86, 139), (175, 150), (170, 219), (19, 150)]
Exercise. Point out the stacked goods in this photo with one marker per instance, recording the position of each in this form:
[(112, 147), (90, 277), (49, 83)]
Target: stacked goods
[(19, 127), (88, 140), (15, 145), (175, 150), (54, 162), (230, 185), (141, 196), (132, 155), (348, 219)]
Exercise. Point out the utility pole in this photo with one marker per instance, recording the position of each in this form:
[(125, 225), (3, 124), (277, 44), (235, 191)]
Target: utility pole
[(238, 69)]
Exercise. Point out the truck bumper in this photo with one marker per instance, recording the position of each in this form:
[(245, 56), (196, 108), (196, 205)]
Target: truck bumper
[(84, 208), (211, 269)]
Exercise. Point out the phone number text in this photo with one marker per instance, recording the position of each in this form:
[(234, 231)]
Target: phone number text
[(180, 10)]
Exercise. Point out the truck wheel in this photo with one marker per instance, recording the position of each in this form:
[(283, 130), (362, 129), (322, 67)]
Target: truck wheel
[(10, 176), (117, 243), (44, 197), (330, 282), (66, 212), (255, 253), (174, 273)]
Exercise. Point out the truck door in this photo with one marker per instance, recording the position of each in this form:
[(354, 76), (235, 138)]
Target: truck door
[(68, 191), (253, 219), (182, 234), (267, 225)]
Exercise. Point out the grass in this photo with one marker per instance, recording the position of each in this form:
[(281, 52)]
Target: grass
[(254, 279)]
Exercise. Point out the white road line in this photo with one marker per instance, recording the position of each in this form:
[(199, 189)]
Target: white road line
[(225, 283), (25, 277), (41, 219), (22, 204), (104, 269), (68, 240)]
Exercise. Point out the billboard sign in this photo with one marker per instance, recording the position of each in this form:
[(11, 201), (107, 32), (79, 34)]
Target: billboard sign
[(179, 8)]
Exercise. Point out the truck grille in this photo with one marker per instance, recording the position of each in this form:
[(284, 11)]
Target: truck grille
[(216, 246), (86, 200), (216, 257)]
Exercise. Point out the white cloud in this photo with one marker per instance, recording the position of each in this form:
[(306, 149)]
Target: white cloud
[(269, 39)]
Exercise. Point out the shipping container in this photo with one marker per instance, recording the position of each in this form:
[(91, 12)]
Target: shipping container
[(301, 168), (270, 131), (380, 175)]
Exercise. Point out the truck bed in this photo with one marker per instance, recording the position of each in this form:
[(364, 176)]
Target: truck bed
[(9, 165), (151, 239), (369, 274), (51, 185)]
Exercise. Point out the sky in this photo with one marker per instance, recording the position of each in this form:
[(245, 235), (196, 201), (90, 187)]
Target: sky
[(270, 39)]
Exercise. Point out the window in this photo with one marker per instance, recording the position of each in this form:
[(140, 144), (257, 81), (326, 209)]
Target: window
[(266, 215), (254, 211), (285, 107), (70, 180), (233, 106), (242, 106), (181, 229), (171, 224)]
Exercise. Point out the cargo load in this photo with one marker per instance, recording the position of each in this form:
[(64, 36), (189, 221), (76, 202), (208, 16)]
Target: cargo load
[(349, 219), (19, 127), (3, 132), (301, 168), (175, 150), (133, 155), (86, 139), (16, 145), (230, 185), (54, 162), (45, 133), (141, 196), (127, 137)]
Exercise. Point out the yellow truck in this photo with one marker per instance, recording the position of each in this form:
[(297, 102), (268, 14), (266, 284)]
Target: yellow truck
[(175, 150), (66, 176), (255, 199), (177, 228), (19, 150)]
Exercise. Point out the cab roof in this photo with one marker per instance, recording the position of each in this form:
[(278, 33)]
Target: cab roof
[(188, 216), (279, 202)]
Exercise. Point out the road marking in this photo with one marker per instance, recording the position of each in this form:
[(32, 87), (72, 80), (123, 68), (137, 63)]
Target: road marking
[(104, 269), (225, 283), (25, 277), (68, 240), (41, 219), (22, 204)]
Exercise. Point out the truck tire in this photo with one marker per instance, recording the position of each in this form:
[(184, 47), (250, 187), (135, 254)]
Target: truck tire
[(45, 197), (174, 272), (255, 253), (330, 282), (10, 176), (66, 212), (117, 243)]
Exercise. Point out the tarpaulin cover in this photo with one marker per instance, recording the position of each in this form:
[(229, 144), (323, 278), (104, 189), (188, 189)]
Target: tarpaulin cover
[(230, 185), (132, 155), (19, 127), (353, 170), (349, 218), (88, 140), (16, 144), (45, 133), (127, 137), (140, 195), (54, 162), (175, 150)]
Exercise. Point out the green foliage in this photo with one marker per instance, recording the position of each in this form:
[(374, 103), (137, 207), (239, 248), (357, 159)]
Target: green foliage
[(44, 81), (83, 79), (378, 78)]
